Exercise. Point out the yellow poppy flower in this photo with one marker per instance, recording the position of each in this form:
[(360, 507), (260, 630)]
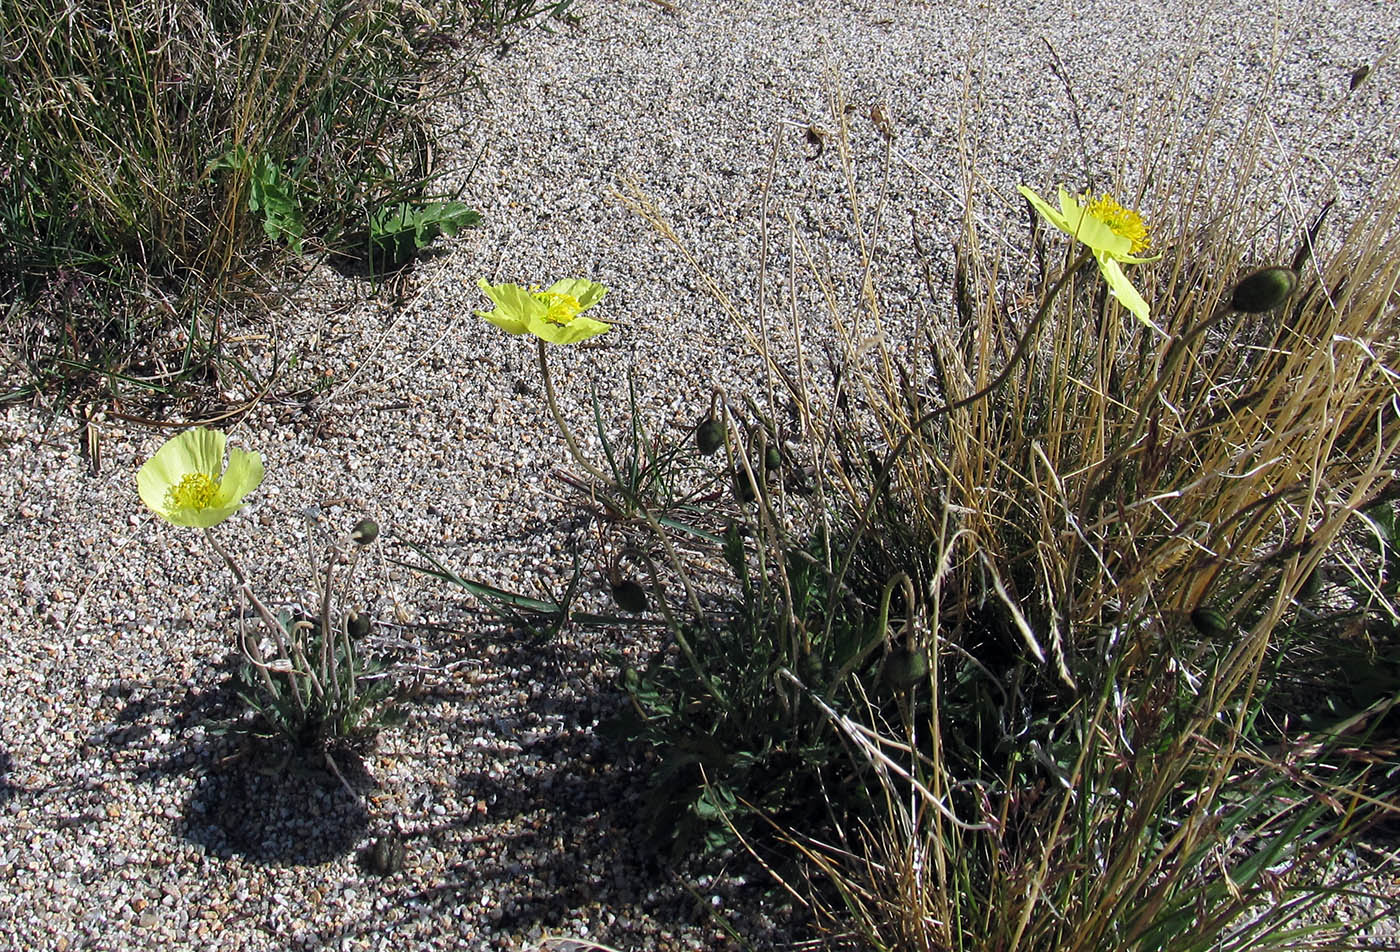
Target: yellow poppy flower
[(552, 315), (1113, 233), (185, 483)]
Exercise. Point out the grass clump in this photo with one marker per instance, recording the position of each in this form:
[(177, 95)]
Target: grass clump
[(994, 616), (162, 155), (496, 17), (1071, 730)]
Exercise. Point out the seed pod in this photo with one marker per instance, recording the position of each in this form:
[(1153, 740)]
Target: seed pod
[(1209, 621), (1264, 290), (356, 625), (743, 489), (905, 668), (772, 459), (709, 436), (630, 596), (365, 532)]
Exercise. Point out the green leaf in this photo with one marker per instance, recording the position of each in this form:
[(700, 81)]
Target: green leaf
[(397, 232), (271, 194)]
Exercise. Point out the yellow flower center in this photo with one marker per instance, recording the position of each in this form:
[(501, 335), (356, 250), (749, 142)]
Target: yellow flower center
[(194, 491), (559, 308), (1123, 222)]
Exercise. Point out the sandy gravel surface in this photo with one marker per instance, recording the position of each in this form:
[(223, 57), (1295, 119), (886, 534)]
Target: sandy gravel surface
[(125, 824)]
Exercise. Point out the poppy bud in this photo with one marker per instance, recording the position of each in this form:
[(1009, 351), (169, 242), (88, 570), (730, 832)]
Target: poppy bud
[(1209, 621), (905, 668), (709, 436), (357, 625), (630, 596), (365, 532), (387, 855), (1264, 290), (743, 489)]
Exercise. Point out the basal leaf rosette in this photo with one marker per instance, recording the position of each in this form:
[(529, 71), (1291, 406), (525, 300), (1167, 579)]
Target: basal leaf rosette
[(1114, 234), (186, 483), (553, 315)]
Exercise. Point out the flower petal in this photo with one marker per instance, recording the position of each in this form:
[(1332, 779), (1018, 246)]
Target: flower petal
[(1091, 230), (1122, 289), (1130, 259), (202, 518), (198, 450), (244, 474), (587, 293), (153, 484), (1050, 214), (579, 329), (514, 306)]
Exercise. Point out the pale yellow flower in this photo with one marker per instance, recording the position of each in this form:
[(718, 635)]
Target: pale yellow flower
[(185, 482), (553, 315), (1113, 234)]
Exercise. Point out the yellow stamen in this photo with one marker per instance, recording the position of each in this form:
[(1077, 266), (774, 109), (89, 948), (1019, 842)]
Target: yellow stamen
[(1123, 222), (194, 491), (560, 308)]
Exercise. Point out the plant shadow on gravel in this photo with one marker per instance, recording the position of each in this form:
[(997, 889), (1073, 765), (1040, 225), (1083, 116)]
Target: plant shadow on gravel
[(557, 837), (266, 812), (7, 789), (251, 798)]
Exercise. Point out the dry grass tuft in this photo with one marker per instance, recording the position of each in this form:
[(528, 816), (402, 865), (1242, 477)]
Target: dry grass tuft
[(1104, 529)]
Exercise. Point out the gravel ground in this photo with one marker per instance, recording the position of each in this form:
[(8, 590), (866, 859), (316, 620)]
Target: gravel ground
[(124, 823)]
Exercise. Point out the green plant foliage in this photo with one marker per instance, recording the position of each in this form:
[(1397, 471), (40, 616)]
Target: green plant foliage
[(360, 697), (1085, 733), (398, 232), (271, 194), (308, 113), (495, 17), (324, 689), (733, 741), (1336, 667)]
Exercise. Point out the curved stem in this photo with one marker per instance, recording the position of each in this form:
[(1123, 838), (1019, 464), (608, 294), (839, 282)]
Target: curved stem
[(598, 475), (882, 632), (676, 629), (274, 627), (891, 458), (564, 430)]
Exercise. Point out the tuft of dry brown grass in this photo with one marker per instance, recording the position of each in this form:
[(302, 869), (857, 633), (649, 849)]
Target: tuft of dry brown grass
[(1106, 528)]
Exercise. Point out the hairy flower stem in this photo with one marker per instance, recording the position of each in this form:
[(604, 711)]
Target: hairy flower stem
[(564, 430), (250, 646), (328, 672), (346, 692), (886, 470)]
